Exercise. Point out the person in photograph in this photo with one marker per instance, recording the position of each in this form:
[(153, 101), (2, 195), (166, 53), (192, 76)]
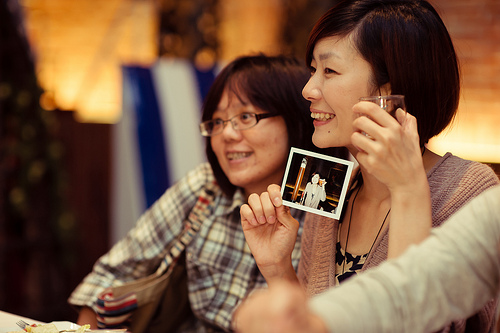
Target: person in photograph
[(333, 187), (250, 122), (314, 192), (401, 188), (420, 291)]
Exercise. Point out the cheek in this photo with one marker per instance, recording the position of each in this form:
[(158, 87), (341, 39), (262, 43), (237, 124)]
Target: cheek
[(280, 148), (272, 143), (216, 146), (346, 123)]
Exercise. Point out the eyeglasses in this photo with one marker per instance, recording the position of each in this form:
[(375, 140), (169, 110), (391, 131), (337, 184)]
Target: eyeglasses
[(239, 122)]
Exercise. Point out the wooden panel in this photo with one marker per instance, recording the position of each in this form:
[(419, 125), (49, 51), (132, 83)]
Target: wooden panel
[(88, 162), (475, 29)]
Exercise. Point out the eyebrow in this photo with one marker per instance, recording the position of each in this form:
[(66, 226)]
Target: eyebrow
[(238, 106), (327, 55)]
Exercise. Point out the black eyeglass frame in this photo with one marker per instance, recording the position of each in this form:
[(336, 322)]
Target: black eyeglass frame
[(258, 117)]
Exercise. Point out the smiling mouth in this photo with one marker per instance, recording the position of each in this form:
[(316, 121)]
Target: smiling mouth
[(322, 116), (237, 156)]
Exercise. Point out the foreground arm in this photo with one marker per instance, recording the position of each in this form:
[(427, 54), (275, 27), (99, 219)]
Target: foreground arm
[(451, 275), (280, 309)]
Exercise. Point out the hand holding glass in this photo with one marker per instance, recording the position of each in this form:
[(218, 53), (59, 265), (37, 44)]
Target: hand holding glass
[(389, 103)]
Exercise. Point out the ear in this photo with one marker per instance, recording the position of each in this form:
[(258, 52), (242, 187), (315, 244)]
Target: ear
[(385, 89)]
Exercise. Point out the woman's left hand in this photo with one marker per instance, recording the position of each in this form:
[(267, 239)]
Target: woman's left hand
[(389, 149)]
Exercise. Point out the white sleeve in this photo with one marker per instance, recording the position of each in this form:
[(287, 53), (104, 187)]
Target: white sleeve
[(449, 276)]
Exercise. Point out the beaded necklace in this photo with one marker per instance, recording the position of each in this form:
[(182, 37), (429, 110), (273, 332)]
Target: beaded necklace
[(349, 229)]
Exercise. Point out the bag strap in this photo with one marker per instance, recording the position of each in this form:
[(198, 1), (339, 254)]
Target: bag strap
[(192, 225), (115, 305)]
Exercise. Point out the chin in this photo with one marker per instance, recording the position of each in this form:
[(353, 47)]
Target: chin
[(239, 181), (321, 143)]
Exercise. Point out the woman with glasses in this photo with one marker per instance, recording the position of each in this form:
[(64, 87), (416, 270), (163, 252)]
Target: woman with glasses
[(252, 115)]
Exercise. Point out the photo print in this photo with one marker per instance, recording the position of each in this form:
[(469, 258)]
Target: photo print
[(316, 183)]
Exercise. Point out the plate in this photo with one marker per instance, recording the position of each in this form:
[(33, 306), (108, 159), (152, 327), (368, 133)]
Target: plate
[(61, 325), (65, 325)]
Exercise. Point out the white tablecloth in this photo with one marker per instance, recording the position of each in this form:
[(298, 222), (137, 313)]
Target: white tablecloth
[(8, 321)]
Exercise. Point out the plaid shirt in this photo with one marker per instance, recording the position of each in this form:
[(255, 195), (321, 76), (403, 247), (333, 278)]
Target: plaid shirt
[(220, 266)]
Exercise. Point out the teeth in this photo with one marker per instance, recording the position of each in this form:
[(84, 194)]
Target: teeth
[(322, 116), (235, 156)]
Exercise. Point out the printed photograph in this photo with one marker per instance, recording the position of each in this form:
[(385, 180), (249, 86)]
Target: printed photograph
[(316, 183)]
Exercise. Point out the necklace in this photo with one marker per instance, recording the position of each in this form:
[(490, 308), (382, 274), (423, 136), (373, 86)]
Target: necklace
[(349, 229)]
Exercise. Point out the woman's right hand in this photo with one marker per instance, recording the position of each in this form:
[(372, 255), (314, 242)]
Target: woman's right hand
[(270, 232)]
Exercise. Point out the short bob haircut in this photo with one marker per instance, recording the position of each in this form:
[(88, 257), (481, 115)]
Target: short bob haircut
[(271, 83), (408, 46)]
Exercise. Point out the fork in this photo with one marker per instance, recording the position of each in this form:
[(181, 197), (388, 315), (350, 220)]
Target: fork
[(22, 324)]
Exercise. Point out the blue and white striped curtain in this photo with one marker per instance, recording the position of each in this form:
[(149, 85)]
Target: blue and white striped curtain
[(157, 139)]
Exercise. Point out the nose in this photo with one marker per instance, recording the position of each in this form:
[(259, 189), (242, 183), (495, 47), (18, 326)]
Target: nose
[(311, 90), (228, 132)]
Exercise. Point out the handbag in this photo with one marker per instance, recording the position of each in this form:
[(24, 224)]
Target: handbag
[(158, 302)]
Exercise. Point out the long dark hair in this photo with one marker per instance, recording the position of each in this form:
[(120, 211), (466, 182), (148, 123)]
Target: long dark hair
[(408, 46), (273, 84)]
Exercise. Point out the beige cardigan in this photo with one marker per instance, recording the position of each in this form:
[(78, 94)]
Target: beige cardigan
[(453, 182)]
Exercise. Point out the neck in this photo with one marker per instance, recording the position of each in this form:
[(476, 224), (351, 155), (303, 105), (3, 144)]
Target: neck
[(375, 189), (260, 187), (372, 188), (248, 191), (430, 159)]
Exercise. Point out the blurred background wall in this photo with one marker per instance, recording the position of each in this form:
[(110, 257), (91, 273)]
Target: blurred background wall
[(64, 100)]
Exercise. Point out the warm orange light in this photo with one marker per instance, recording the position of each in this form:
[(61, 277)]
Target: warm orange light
[(475, 134), (250, 27), (80, 47)]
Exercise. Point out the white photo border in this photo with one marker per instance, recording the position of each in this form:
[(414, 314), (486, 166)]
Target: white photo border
[(295, 158)]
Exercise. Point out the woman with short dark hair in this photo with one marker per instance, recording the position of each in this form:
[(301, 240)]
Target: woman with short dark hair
[(408, 46), (363, 48)]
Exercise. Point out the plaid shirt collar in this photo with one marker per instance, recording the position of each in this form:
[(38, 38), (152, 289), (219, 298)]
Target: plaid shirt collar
[(227, 206)]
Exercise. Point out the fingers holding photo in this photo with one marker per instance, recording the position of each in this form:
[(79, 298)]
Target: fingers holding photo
[(260, 209), (275, 194), (248, 217)]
